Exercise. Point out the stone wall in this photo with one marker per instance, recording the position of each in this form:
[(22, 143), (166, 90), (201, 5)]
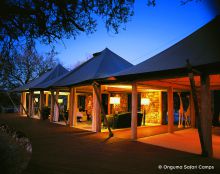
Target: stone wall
[(123, 106), (89, 104), (153, 111)]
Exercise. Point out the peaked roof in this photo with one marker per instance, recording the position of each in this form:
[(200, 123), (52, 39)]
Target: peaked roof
[(101, 65), (44, 80), (201, 48)]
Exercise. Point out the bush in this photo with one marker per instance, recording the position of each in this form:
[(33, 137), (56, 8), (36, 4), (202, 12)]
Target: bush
[(45, 112)]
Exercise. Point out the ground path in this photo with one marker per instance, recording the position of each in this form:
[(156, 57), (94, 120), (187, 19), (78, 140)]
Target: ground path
[(59, 150)]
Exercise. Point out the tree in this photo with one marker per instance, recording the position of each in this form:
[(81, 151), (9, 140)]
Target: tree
[(19, 67), (55, 19), (52, 20)]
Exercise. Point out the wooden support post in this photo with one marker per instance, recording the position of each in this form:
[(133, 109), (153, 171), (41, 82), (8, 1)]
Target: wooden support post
[(70, 110), (134, 112), (33, 104), (30, 98), (192, 111), (204, 88), (56, 112), (68, 101), (109, 105), (97, 90), (96, 119), (23, 103), (73, 107), (52, 107), (206, 117), (23, 107), (47, 99), (160, 107), (41, 102), (170, 110)]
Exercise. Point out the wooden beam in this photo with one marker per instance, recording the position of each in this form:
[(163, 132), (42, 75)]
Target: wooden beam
[(134, 112), (206, 116), (13, 102), (170, 110), (163, 84)]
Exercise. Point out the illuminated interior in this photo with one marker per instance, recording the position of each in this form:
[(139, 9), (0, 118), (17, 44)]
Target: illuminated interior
[(116, 100)]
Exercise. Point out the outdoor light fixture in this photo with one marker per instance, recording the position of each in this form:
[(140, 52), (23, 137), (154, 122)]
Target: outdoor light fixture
[(115, 100), (145, 102), (60, 100), (36, 100)]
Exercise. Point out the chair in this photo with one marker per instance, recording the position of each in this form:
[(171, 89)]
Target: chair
[(81, 116), (122, 120)]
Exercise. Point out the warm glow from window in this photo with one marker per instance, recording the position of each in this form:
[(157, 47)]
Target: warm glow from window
[(120, 86), (114, 100), (60, 100), (145, 101), (36, 92), (63, 93)]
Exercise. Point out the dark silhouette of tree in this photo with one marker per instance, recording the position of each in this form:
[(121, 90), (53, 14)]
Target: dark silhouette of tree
[(50, 20), (19, 67)]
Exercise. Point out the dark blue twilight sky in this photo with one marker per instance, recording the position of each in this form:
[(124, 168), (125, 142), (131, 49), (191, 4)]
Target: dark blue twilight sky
[(151, 30)]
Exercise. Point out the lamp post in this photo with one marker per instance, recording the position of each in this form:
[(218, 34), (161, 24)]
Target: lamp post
[(145, 102)]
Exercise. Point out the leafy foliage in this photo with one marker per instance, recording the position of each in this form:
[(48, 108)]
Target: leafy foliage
[(18, 67), (55, 19)]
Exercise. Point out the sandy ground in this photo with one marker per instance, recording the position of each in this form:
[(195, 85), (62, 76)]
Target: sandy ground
[(58, 149)]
